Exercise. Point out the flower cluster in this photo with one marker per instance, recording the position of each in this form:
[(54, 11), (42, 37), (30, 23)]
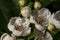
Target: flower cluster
[(41, 18)]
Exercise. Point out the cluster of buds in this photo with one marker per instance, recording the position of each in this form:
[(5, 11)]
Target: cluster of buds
[(37, 4)]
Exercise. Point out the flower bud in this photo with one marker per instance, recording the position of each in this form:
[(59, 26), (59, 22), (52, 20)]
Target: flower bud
[(26, 11), (21, 2), (37, 5), (50, 27)]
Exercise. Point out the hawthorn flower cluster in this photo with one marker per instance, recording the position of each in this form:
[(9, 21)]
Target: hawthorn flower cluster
[(43, 20)]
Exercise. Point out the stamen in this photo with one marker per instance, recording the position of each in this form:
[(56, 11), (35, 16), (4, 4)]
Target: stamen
[(39, 20), (19, 28)]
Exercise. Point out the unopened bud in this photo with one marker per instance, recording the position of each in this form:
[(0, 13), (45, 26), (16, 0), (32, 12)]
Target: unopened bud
[(50, 27), (37, 5), (21, 2), (26, 11)]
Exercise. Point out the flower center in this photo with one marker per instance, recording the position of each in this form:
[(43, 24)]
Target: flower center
[(19, 28), (39, 20)]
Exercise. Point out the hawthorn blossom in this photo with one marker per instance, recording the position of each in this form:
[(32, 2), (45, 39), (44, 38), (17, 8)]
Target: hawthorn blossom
[(42, 17), (41, 21), (19, 26)]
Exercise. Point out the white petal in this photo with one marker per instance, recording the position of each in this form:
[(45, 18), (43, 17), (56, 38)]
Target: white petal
[(26, 24), (18, 21), (27, 32), (13, 37), (48, 36), (51, 18), (45, 22), (32, 19), (38, 32), (17, 33), (44, 12), (10, 27), (39, 27), (56, 23), (11, 23), (5, 36), (12, 20)]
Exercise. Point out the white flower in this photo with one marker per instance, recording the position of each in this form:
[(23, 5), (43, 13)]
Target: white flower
[(42, 35), (26, 11), (55, 19), (44, 15), (19, 26), (6, 36), (21, 2), (37, 5), (42, 19)]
